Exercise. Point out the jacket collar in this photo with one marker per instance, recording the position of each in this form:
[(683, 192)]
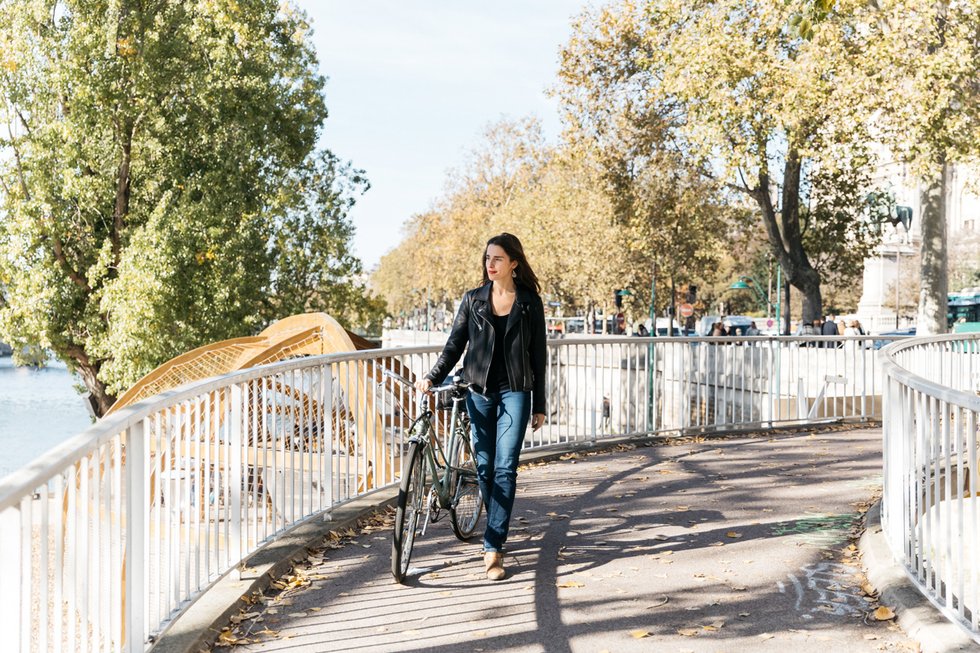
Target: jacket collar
[(482, 294), (524, 294)]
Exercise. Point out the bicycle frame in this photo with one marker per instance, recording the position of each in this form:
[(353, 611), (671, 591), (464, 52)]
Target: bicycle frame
[(434, 447)]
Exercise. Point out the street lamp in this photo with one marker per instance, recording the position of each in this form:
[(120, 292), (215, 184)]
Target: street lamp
[(748, 283)]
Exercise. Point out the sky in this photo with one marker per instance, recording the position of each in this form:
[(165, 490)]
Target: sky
[(412, 85)]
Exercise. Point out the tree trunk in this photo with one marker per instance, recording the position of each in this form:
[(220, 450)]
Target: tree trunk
[(101, 400), (933, 265), (786, 236)]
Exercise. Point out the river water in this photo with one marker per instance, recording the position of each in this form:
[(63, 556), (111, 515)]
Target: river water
[(39, 408)]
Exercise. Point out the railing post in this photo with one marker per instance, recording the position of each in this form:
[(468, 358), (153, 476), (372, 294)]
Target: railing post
[(136, 550), (235, 440), (11, 570)]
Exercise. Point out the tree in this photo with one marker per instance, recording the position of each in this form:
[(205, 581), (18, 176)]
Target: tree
[(744, 102), (511, 181), (314, 268), (935, 51), (920, 63), (151, 176)]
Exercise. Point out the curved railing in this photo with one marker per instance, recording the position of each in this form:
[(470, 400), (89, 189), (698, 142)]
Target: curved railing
[(108, 538), (930, 509)]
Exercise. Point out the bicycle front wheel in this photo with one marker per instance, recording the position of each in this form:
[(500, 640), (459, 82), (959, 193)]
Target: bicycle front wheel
[(464, 514), (411, 506)]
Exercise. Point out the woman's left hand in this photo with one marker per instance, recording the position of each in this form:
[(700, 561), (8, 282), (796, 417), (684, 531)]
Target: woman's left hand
[(537, 421)]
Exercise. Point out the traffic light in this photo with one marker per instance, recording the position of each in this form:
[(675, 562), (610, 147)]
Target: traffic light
[(619, 299), (692, 293)]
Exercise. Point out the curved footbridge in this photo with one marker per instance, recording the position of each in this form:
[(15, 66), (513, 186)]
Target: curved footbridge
[(734, 543), (653, 527)]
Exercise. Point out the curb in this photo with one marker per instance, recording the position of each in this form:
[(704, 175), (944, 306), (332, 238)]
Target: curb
[(915, 613), (198, 628)]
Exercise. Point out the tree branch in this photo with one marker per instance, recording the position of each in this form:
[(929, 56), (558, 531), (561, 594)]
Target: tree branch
[(20, 167), (59, 255), (123, 184)]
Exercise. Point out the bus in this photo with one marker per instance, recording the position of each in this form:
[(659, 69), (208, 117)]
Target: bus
[(963, 311)]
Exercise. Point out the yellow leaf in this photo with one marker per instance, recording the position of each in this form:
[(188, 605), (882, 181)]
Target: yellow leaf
[(688, 632), (639, 634), (571, 583), (884, 613), (733, 534)]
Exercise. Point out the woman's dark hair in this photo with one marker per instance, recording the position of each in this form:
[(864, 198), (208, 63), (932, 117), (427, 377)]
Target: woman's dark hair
[(510, 244)]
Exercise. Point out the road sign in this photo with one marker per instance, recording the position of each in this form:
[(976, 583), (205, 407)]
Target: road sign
[(685, 310), (770, 322)]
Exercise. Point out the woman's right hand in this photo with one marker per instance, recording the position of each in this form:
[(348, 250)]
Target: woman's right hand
[(423, 385)]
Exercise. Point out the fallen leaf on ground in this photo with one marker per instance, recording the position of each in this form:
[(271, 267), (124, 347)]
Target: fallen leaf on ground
[(639, 634), (733, 534), (688, 632), (662, 602), (571, 583), (884, 613)]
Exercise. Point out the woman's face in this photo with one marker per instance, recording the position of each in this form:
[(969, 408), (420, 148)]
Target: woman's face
[(499, 266)]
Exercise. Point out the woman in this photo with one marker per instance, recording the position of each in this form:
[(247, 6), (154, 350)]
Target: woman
[(503, 323)]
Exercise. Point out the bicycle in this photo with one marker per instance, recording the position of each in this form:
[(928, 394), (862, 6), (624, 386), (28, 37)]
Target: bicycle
[(431, 481)]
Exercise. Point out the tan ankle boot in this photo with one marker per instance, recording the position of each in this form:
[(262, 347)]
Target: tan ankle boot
[(495, 565)]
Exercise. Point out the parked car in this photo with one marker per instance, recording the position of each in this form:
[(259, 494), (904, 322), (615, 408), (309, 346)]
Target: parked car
[(736, 325), (888, 337)]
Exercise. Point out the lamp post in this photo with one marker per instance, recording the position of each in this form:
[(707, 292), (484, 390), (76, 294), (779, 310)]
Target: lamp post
[(748, 283)]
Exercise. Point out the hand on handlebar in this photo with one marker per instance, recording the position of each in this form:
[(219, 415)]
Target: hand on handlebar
[(423, 385)]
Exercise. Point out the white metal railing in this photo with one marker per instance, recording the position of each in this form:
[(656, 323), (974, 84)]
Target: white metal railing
[(106, 539), (930, 509)]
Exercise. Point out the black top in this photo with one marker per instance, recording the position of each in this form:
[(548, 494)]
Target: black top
[(497, 377)]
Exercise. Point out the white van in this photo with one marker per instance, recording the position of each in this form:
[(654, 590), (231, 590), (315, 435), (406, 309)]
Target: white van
[(662, 325)]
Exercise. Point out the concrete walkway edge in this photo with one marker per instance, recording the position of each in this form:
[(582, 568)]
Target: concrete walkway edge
[(915, 613)]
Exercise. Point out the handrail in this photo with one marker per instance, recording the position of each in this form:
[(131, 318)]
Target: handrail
[(147, 508), (37, 471), (894, 368), (931, 482)]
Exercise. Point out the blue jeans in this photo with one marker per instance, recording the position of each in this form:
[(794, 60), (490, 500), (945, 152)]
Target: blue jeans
[(499, 420)]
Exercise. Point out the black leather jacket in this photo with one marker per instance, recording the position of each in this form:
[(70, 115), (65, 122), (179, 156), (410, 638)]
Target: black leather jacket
[(525, 341)]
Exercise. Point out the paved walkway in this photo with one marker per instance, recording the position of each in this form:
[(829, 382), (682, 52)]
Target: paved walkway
[(740, 544)]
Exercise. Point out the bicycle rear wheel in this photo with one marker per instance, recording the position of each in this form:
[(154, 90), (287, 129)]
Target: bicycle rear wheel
[(411, 506), (464, 514)]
